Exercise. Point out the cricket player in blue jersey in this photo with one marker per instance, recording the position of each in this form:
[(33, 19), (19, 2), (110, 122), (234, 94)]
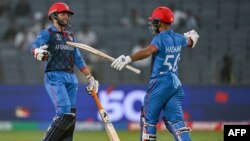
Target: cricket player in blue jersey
[(165, 92), (60, 81)]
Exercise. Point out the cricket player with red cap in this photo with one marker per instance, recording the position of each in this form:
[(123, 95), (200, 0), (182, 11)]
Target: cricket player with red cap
[(59, 78), (165, 92)]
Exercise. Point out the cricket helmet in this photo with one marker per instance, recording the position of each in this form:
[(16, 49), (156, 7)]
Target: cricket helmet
[(164, 14), (59, 7)]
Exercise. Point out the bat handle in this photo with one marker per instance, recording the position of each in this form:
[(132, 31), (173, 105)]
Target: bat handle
[(98, 103), (137, 71)]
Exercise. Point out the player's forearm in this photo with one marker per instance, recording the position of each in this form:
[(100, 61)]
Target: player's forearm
[(139, 55), (144, 53), (85, 71)]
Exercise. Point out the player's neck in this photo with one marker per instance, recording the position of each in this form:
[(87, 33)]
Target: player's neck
[(59, 27)]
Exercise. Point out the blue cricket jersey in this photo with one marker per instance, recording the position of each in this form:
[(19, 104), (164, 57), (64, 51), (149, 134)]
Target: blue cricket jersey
[(165, 93), (63, 57), (165, 60)]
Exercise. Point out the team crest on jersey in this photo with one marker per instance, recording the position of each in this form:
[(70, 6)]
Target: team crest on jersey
[(58, 37)]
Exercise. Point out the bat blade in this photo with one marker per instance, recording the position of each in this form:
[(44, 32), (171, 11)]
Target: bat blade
[(101, 54), (113, 136)]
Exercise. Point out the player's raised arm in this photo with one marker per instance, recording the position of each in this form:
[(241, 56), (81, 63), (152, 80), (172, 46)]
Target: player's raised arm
[(123, 60), (144, 53)]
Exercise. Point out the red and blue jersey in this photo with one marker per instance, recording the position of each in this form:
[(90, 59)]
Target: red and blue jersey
[(62, 56)]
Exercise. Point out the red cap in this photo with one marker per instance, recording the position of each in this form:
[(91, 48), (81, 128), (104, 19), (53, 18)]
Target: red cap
[(163, 13), (59, 7)]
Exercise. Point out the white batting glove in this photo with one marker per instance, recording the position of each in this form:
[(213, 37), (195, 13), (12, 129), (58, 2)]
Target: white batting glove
[(193, 35), (120, 62), (93, 84), (41, 53)]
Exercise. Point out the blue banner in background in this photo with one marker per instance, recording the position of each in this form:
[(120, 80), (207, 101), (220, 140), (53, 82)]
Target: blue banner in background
[(123, 102), (217, 103)]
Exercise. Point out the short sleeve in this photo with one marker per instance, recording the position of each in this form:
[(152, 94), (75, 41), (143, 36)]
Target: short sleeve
[(156, 42), (41, 39)]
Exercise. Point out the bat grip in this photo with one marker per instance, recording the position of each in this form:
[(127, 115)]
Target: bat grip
[(97, 101)]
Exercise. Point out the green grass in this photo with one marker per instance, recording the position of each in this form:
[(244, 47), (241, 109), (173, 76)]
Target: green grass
[(102, 136)]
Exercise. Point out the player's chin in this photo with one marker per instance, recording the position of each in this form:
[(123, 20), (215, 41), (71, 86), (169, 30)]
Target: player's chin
[(65, 22)]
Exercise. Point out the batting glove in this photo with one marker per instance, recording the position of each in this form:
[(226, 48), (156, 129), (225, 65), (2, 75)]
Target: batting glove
[(41, 53), (193, 35), (121, 62), (93, 85)]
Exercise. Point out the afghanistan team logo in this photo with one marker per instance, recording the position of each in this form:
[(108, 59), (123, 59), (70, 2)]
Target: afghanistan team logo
[(58, 37)]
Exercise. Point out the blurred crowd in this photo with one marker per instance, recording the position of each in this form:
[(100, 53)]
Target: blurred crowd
[(21, 35)]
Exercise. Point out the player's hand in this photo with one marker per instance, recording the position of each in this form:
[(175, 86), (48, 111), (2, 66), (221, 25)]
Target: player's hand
[(193, 35), (93, 85), (41, 53), (121, 62)]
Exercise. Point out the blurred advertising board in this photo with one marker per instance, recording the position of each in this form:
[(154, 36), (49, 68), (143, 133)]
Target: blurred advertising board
[(123, 102)]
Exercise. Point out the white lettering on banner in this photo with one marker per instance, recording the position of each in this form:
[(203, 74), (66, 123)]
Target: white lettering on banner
[(112, 103), (118, 105), (90, 126), (6, 126), (128, 105)]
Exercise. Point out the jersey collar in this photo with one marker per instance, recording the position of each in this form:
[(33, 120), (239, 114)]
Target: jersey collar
[(53, 28), (167, 31)]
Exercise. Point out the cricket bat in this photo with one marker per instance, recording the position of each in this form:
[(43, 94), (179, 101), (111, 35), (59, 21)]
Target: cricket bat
[(100, 54), (113, 136)]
